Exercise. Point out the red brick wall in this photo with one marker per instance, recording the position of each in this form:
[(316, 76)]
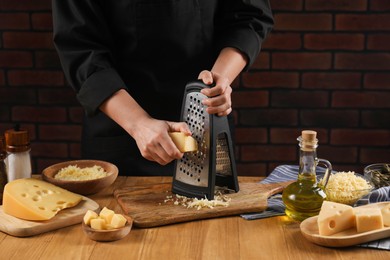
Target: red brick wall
[(325, 67)]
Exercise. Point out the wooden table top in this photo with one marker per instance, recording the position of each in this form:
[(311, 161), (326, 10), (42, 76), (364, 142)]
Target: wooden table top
[(219, 238)]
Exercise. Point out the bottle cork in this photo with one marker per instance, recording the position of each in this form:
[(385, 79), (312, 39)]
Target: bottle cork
[(308, 140), (309, 135)]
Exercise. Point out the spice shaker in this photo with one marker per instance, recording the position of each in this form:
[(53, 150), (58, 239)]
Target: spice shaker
[(3, 168), (18, 154)]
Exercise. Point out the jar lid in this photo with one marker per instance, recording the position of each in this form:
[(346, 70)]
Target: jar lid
[(17, 140)]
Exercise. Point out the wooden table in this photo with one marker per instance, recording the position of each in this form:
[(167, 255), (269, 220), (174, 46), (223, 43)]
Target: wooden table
[(222, 238)]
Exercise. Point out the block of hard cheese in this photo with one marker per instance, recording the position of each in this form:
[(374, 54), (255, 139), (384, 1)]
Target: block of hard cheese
[(368, 219), (334, 218), (184, 142), (386, 215), (34, 199)]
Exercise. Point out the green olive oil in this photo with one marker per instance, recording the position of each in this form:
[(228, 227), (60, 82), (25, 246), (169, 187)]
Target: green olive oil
[(303, 198)]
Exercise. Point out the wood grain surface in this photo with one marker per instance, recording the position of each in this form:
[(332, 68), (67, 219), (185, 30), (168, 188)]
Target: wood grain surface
[(228, 238), (67, 217), (146, 203)]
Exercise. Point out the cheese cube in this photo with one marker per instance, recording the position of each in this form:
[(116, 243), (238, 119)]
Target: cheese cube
[(386, 215), (184, 142), (118, 221), (334, 218), (368, 219), (34, 199), (89, 216), (106, 214), (98, 223)]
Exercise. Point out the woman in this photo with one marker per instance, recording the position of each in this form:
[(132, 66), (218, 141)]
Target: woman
[(129, 61)]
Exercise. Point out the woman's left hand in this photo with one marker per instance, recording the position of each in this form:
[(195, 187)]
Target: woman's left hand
[(219, 96)]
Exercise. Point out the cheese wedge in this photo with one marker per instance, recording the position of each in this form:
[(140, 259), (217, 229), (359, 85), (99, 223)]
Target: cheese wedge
[(368, 219), (184, 142), (386, 215), (34, 199), (335, 217)]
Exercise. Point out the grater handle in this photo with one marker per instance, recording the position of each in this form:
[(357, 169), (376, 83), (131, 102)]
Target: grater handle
[(197, 85)]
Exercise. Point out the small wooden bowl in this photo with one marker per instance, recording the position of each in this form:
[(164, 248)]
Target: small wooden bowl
[(83, 187), (108, 235)]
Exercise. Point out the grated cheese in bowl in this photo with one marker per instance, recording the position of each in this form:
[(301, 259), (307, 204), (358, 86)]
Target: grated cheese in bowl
[(75, 173), (347, 187)]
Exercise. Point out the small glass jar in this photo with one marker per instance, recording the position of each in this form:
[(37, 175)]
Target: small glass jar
[(18, 154)]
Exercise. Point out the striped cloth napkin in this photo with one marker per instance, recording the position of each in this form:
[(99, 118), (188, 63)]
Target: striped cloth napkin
[(289, 172)]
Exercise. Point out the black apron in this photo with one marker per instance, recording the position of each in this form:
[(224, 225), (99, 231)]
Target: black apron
[(173, 43)]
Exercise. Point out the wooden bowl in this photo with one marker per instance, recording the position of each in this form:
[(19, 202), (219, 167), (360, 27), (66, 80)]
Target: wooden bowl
[(108, 235), (83, 187)]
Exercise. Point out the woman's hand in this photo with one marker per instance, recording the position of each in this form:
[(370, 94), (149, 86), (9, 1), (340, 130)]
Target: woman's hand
[(219, 101), (154, 142)]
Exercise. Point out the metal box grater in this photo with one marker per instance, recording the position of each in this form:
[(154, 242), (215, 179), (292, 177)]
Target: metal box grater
[(197, 173)]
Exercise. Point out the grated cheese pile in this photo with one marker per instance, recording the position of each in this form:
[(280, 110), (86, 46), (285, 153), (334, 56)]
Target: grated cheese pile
[(219, 200), (346, 187), (75, 173)]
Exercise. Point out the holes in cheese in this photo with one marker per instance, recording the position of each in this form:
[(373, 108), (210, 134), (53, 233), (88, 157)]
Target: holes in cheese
[(184, 142), (107, 219), (334, 217), (21, 199)]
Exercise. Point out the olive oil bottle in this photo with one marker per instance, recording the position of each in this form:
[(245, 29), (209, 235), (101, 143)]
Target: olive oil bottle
[(304, 197)]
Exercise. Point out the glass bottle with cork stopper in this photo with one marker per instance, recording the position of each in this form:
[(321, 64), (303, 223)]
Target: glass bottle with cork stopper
[(3, 168), (303, 198), (18, 153)]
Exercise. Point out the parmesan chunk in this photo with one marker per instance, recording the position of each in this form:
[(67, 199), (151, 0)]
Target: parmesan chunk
[(184, 142)]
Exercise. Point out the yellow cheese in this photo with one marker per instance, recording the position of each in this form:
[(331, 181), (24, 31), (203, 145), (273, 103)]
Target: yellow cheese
[(106, 214), (368, 219), (88, 216), (118, 221), (34, 199), (184, 142), (107, 219), (335, 217), (386, 215), (98, 223)]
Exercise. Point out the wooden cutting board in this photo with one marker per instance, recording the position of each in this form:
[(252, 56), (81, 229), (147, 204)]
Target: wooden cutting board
[(145, 204), (67, 217)]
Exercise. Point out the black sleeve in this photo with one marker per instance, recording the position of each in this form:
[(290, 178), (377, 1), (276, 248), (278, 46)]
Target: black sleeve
[(244, 24), (83, 42)]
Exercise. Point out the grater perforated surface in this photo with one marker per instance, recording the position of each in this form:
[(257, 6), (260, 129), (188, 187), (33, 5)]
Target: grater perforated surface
[(193, 167), (223, 165)]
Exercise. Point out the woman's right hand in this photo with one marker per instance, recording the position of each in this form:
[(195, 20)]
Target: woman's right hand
[(154, 142)]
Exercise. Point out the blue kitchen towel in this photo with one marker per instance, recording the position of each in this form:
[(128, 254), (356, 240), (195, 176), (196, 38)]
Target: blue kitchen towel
[(290, 172)]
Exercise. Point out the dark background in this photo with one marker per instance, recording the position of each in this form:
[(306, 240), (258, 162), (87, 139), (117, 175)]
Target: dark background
[(324, 67)]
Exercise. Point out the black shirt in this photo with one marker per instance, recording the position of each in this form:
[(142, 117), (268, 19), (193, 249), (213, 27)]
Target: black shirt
[(151, 48)]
